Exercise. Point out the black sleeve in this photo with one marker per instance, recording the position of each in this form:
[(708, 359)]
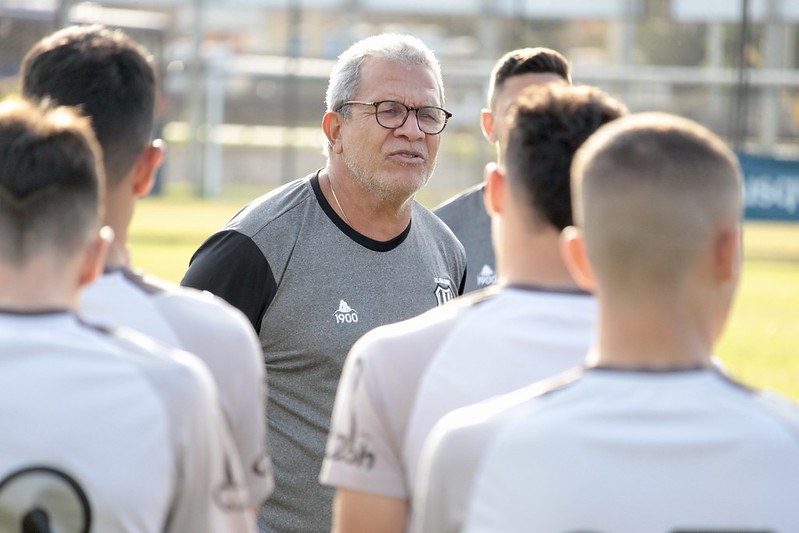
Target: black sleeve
[(463, 281), (230, 265)]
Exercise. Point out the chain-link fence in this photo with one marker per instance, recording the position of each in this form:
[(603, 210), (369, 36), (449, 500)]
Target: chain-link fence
[(244, 80)]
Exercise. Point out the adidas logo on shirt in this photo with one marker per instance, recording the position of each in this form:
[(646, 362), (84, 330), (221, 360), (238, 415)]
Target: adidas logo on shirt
[(487, 276), (345, 314)]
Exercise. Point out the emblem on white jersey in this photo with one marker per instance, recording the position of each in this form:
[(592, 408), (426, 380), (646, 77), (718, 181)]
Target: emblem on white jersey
[(487, 276), (345, 313), (33, 496), (444, 292)]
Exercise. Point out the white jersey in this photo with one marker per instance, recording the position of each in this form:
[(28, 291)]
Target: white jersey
[(108, 432), (209, 328), (400, 379), (615, 451)]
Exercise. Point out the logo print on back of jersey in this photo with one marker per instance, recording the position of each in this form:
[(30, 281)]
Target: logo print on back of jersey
[(486, 276), (444, 292), (345, 314)]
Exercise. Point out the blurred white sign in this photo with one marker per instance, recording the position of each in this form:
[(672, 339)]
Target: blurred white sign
[(731, 10)]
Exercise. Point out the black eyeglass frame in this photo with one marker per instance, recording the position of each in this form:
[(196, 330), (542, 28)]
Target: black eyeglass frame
[(408, 109)]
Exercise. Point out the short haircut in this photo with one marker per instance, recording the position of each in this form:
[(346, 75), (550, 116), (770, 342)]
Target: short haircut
[(396, 48), (109, 76), (526, 61), (649, 191), (546, 125), (50, 181)]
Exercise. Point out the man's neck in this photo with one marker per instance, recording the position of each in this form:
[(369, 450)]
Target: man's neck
[(533, 258), (38, 287), (653, 334), (377, 218)]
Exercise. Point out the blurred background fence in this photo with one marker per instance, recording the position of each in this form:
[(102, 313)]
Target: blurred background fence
[(244, 80)]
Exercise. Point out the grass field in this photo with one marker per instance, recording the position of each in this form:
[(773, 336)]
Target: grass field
[(760, 344)]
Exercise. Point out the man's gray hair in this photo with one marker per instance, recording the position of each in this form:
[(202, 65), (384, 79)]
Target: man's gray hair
[(401, 49)]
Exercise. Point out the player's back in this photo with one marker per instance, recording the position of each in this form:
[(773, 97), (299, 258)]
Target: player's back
[(519, 336), (110, 429), (637, 452), (209, 328)]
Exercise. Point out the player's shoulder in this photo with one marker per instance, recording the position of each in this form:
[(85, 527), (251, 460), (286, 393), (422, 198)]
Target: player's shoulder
[(175, 374), (426, 221), (465, 198), (503, 408), (273, 207), (781, 408), (199, 307), (422, 331)]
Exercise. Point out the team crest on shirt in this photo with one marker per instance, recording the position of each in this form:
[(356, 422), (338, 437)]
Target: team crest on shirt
[(443, 291), (345, 314)]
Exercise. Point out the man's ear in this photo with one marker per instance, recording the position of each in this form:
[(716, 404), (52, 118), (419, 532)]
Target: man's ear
[(572, 250), (727, 250), (146, 167), (94, 256), (331, 125), (496, 189), (487, 125)]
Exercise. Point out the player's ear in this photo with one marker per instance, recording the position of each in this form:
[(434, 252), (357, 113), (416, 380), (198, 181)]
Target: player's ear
[(331, 125), (94, 256), (146, 167), (572, 249), (727, 254), (487, 125), (495, 190)]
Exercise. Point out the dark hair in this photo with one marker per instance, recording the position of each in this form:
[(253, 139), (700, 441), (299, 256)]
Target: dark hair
[(109, 76), (50, 180), (546, 126), (526, 61)]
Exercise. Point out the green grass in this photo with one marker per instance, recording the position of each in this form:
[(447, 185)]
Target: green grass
[(760, 344)]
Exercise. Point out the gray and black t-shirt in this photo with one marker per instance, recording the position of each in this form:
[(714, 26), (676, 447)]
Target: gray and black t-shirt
[(466, 216), (312, 286)]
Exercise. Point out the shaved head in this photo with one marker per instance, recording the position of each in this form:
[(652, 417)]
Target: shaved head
[(651, 191)]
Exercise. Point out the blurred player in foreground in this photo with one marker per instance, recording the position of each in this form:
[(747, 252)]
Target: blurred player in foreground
[(651, 436), (102, 431), (112, 79)]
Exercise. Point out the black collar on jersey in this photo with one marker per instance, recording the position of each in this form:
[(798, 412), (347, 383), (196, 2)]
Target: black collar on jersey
[(363, 240), (535, 287), (37, 312), (650, 370)]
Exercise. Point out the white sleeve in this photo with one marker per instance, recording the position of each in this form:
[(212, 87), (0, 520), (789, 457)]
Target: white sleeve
[(209, 493), (223, 338), (447, 468), (362, 450)]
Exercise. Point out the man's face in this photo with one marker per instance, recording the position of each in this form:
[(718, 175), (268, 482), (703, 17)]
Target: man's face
[(391, 164), (507, 95)]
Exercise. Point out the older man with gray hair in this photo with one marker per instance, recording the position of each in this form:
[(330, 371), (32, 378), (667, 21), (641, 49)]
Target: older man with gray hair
[(322, 260)]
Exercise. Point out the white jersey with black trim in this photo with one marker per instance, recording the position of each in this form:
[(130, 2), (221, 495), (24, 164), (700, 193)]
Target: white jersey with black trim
[(614, 451), (113, 432), (208, 327), (400, 379)]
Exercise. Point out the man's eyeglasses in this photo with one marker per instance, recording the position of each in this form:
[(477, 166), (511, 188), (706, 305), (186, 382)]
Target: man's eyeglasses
[(392, 115)]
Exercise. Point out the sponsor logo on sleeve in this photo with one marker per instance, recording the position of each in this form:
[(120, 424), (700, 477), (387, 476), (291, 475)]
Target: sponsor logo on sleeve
[(350, 447)]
